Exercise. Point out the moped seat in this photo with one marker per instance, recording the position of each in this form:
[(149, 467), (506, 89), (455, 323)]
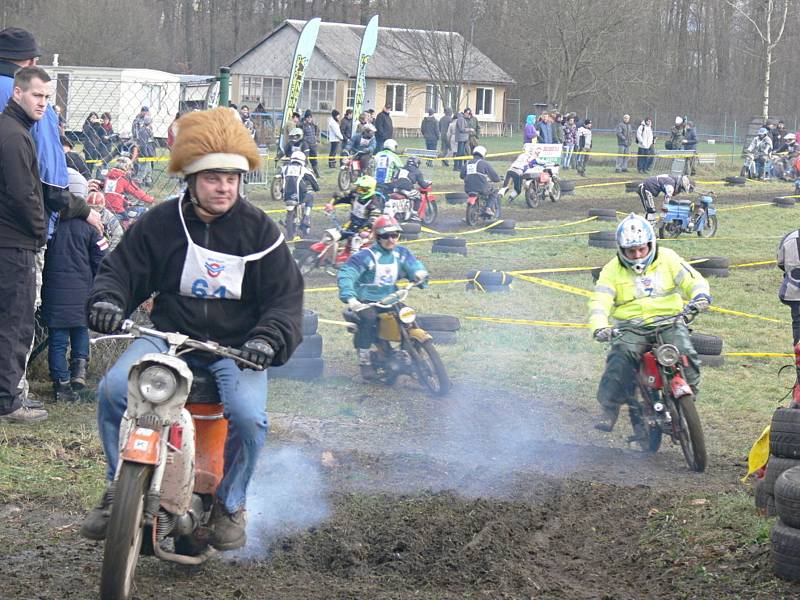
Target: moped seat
[(204, 388), (681, 202)]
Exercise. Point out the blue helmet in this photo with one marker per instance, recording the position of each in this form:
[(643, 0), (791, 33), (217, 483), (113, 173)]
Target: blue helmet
[(634, 231), (762, 131)]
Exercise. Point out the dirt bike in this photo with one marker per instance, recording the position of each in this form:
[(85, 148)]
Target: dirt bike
[(482, 207), (171, 444), (295, 213), (540, 183), (400, 205), (402, 347), (665, 403), (326, 253), (687, 216), (749, 169), (350, 169)]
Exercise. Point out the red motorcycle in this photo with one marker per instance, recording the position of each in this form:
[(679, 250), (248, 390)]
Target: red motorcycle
[(400, 204), (328, 254), (352, 167)]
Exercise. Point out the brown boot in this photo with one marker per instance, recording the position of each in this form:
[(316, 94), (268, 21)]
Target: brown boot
[(96, 522), (608, 419), (227, 529)]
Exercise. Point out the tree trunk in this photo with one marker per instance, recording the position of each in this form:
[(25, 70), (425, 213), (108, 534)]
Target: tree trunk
[(188, 14)]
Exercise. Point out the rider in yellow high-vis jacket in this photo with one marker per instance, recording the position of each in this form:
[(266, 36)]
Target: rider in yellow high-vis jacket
[(641, 282)]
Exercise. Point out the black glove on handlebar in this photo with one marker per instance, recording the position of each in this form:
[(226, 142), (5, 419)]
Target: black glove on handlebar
[(259, 351), (105, 317)]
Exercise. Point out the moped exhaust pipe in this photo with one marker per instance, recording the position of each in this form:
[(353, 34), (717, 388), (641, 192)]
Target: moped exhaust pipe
[(180, 559)]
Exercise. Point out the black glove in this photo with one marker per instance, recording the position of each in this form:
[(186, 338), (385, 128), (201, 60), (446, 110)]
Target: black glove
[(105, 317), (258, 351)]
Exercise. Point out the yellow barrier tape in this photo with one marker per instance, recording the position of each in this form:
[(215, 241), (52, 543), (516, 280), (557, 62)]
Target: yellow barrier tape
[(532, 237), (760, 354), (737, 313), (754, 264), (528, 322), (555, 285), (556, 226), (331, 322), (727, 208), (551, 270), (323, 289)]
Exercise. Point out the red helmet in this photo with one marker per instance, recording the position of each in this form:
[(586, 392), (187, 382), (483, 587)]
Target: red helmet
[(96, 199), (386, 224)]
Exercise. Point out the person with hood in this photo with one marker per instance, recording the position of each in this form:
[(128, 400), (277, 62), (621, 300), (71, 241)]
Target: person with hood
[(530, 133), (384, 128), (645, 140), (444, 125), (252, 300), (335, 137), (429, 129)]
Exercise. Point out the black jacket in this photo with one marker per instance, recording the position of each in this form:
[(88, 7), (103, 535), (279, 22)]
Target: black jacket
[(347, 128), (478, 182), (429, 128), (384, 129), (71, 262), (150, 259), (22, 214)]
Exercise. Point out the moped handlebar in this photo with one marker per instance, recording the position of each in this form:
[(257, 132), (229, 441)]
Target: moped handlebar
[(395, 297), (178, 343), (653, 325)]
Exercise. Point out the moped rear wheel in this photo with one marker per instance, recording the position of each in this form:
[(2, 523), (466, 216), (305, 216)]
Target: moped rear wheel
[(125, 532), (532, 196), (710, 229), (690, 436), (430, 368), (343, 181), (473, 213)]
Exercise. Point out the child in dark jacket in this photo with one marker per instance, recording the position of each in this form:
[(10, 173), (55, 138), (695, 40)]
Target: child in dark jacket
[(71, 262)]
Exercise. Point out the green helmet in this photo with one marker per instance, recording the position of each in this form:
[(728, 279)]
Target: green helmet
[(365, 187)]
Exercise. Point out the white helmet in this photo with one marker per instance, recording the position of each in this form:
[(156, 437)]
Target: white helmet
[(368, 128), (299, 157), (634, 231), (480, 151), (678, 121), (790, 137), (390, 144)]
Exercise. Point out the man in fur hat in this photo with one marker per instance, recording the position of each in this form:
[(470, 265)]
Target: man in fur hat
[(253, 300)]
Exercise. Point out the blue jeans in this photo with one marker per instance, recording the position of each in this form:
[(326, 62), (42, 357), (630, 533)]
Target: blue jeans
[(62, 338), (244, 398), (566, 158)]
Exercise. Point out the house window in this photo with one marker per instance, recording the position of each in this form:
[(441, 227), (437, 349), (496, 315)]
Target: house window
[(318, 95), (351, 94), (396, 97), (484, 101), (250, 89), (431, 98), (272, 97)]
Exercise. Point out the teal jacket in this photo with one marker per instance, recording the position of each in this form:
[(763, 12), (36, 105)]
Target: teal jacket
[(356, 278)]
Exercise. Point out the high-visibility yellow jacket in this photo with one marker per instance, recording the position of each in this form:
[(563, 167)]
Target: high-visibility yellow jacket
[(661, 290)]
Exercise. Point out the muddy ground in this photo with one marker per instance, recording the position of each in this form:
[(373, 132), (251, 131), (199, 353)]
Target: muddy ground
[(475, 500)]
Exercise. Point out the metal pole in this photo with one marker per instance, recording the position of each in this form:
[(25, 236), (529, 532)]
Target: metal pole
[(224, 85), (733, 144)]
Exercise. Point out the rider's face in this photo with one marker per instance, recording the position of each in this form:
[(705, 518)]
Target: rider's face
[(389, 242), (216, 192), (637, 252)]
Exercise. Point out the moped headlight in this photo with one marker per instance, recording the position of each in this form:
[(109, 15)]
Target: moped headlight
[(667, 355), (157, 384), (407, 315)]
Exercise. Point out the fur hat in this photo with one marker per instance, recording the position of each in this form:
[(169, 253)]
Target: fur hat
[(212, 140)]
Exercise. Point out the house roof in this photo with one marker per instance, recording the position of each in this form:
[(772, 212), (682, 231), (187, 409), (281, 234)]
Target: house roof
[(340, 43)]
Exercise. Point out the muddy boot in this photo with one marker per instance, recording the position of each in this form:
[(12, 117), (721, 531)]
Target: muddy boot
[(96, 522), (608, 419), (77, 370), (639, 429), (365, 365), (227, 529), (63, 392)]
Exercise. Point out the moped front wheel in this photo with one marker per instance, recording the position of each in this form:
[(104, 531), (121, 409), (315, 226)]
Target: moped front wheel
[(431, 212), (430, 368), (343, 181), (125, 532), (690, 435), (710, 227), (532, 196)]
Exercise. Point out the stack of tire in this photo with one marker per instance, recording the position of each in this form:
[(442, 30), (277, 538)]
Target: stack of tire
[(567, 187), (443, 328), (708, 348), (504, 227), (489, 281), (450, 246), (784, 201), (778, 492), (735, 180), (455, 197), (306, 362), (411, 230), (712, 266), (603, 239), (604, 214)]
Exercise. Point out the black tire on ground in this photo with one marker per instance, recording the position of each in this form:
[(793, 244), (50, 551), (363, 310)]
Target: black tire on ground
[(299, 368), (489, 289), (310, 347), (567, 192), (711, 360), (705, 272), (775, 466), (490, 277), (603, 214), (567, 186), (787, 497), (505, 224), (784, 433), (450, 242), (411, 227), (438, 322), (711, 262), (455, 197), (603, 243), (782, 202), (765, 501), (310, 322), (443, 337), (125, 531), (596, 273), (735, 180), (785, 551), (449, 249), (706, 343), (408, 237)]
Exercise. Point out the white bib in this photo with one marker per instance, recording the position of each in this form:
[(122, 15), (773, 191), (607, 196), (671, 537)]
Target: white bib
[(294, 171), (403, 174), (214, 275), (358, 210), (385, 274), (472, 168)]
